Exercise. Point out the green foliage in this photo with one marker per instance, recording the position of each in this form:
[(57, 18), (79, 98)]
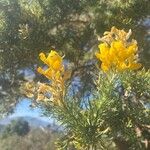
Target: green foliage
[(119, 105), (29, 27), (118, 108), (18, 127)]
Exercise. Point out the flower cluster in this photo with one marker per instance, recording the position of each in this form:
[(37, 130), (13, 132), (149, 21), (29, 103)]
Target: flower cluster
[(90, 119), (56, 74), (116, 52)]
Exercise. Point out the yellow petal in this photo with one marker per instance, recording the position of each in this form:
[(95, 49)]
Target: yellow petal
[(53, 56), (122, 55), (121, 66), (57, 65), (132, 49), (104, 67), (103, 48), (118, 45), (42, 57), (40, 70), (135, 66), (112, 55), (48, 73)]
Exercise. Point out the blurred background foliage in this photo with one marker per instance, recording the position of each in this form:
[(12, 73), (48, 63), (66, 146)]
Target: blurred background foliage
[(19, 127), (19, 134), (29, 27)]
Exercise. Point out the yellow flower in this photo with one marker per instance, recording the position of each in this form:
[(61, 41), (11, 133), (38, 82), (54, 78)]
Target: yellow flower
[(116, 52), (54, 60), (104, 52), (55, 64), (55, 72)]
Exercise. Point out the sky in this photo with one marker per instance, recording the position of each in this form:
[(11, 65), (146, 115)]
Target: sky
[(23, 109)]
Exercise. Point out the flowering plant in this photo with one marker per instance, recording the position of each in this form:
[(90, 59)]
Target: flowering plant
[(117, 114), (116, 51)]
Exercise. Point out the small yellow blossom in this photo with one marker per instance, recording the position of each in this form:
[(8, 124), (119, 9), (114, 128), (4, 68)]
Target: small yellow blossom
[(56, 74), (47, 72), (54, 60), (54, 63), (116, 52)]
